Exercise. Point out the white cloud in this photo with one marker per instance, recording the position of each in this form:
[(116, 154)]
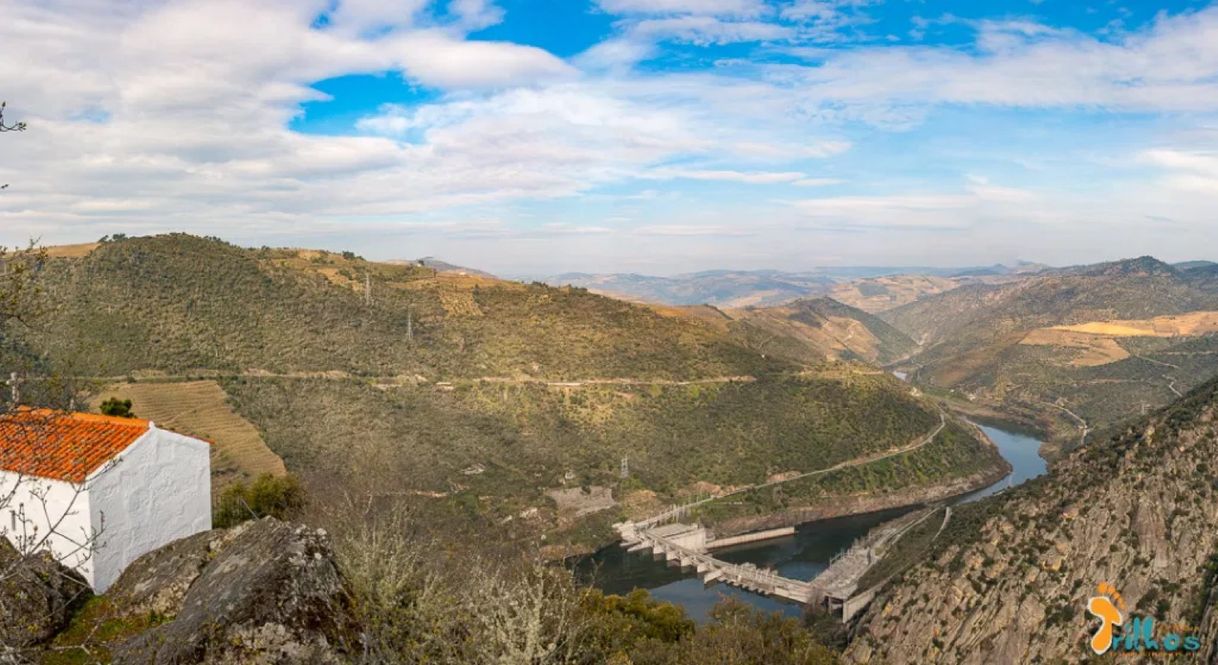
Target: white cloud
[(691, 230), (1193, 171), (437, 59), (745, 177), (707, 30), (359, 16), (174, 115), (476, 14), (1172, 66), (705, 7), (818, 182)]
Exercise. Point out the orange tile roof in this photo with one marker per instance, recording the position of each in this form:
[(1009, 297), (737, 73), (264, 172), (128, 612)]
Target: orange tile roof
[(63, 446)]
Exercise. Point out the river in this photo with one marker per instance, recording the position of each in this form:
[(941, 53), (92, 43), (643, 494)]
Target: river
[(802, 555)]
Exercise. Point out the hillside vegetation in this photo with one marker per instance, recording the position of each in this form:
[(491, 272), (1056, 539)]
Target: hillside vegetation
[(877, 294), (477, 397), (176, 303), (813, 330), (1062, 340), (1009, 578)]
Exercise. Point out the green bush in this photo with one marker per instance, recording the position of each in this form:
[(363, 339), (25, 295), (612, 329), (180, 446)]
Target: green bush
[(281, 497), (120, 408)]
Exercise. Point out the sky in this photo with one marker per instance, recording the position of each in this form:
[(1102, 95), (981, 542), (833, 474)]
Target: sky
[(650, 136)]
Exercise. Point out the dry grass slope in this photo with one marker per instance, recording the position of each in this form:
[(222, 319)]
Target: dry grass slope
[(200, 408), (71, 251), (1097, 340)]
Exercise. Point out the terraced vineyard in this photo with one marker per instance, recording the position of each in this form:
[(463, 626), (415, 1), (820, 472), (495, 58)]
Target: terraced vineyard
[(201, 408)]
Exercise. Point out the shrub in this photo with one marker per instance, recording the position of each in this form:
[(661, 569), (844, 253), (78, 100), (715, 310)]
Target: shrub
[(119, 408), (281, 497)]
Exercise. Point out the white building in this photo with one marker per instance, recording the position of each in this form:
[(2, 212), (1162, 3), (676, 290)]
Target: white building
[(99, 492)]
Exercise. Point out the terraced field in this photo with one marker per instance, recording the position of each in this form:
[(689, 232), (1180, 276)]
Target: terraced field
[(1097, 340), (200, 408)]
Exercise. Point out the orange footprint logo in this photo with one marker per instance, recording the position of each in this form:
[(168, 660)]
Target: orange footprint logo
[(1108, 606)]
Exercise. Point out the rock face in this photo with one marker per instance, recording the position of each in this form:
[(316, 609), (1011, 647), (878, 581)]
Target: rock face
[(1011, 584), (37, 597), (262, 592)]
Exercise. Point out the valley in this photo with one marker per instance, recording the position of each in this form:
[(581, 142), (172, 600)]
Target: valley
[(1011, 580), (543, 418), (803, 555), (495, 403), (608, 332)]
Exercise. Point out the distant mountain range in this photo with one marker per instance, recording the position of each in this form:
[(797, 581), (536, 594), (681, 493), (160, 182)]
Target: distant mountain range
[(1098, 341), (744, 288), (439, 266)]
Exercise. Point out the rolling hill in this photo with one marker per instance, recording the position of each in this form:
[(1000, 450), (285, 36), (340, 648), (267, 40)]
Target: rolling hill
[(877, 294), (871, 289), (472, 396), (816, 329), (1096, 341), (722, 288)]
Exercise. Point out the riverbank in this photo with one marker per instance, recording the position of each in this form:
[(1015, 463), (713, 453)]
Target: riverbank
[(848, 506), (815, 543)]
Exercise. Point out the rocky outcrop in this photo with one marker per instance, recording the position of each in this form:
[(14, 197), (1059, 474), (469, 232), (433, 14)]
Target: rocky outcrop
[(262, 592), (1011, 576), (37, 597)]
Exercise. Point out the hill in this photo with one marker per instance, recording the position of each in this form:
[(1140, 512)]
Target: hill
[(513, 404), (877, 294), (176, 303), (812, 330), (723, 288), (1010, 579), (442, 266), (872, 289), (1059, 342)]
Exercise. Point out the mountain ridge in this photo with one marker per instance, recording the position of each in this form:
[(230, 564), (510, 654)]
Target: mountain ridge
[(1010, 581)]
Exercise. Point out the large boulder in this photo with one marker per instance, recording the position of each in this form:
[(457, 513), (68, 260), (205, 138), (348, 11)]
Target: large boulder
[(262, 592), (37, 597)]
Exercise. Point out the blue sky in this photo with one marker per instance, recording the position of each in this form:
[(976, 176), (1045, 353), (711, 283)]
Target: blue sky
[(659, 136)]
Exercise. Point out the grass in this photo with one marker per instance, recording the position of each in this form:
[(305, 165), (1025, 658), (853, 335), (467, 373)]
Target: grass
[(94, 627)]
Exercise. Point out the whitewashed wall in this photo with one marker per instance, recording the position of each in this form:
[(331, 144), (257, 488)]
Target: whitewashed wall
[(157, 490), (48, 505)]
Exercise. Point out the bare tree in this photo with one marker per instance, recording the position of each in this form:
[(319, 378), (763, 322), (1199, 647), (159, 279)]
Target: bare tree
[(15, 127), (40, 525)]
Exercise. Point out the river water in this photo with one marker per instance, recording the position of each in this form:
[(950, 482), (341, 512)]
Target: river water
[(800, 556)]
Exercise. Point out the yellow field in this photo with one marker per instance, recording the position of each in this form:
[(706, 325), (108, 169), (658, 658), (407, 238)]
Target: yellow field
[(715, 318), (1185, 325), (71, 251), (1097, 340), (1095, 349), (200, 408)]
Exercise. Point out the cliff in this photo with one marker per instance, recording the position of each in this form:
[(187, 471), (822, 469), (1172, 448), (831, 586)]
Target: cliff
[(1010, 579)]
